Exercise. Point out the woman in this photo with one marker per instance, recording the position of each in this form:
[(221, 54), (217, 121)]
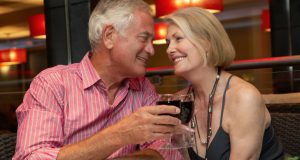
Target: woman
[(231, 120)]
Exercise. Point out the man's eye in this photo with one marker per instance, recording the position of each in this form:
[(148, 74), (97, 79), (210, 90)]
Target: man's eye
[(143, 38)]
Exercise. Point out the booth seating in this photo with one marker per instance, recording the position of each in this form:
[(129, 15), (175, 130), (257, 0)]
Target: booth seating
[(7, 145), (285, 114)]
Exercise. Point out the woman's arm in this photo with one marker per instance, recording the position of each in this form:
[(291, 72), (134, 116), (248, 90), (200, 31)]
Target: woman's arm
[(246, 123)]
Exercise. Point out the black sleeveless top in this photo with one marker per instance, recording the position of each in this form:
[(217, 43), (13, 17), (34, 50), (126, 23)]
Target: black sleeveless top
[(219, 148)]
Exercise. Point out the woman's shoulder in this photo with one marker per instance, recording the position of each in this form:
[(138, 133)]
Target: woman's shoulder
[(244, 103), (243, 98), (243, 90)]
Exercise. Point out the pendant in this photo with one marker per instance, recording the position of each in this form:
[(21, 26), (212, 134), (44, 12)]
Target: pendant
[(193, 125), (203, 142)]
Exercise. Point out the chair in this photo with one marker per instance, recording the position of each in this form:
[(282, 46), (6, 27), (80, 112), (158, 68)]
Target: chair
[(7, 145), (286, 122)]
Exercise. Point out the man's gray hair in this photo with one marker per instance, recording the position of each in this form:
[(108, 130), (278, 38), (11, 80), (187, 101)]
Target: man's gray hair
[(118, 13)]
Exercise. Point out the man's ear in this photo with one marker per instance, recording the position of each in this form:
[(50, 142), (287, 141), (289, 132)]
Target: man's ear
[(108, 36)]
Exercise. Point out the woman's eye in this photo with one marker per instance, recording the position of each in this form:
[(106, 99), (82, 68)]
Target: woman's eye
[(167, 41), (178, 38)]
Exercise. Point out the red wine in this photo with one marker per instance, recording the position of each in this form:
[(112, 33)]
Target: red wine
[(186, 112), (173, 103), (186, 109)]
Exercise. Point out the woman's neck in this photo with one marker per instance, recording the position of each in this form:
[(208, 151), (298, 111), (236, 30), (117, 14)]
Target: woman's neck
[(203, 84)]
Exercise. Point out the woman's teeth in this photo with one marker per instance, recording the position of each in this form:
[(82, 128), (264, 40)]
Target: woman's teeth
[(178, 59)]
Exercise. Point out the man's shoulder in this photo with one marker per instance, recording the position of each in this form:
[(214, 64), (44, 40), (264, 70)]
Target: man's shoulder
[(58, 72)]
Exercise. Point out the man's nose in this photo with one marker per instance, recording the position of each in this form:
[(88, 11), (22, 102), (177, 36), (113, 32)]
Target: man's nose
[(150, 49)]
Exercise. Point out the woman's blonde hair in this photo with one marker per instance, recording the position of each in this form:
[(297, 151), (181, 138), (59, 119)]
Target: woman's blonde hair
[(203, 28)]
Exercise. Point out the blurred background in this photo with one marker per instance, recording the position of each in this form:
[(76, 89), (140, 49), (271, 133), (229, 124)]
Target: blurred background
[(241, 18), (37, 34)]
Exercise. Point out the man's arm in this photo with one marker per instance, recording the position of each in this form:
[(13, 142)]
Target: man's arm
[(40, 133), (145, 124), (101, 145), (147, 154)]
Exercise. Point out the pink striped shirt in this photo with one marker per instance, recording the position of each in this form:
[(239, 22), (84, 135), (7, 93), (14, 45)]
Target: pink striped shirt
[(67, 104)]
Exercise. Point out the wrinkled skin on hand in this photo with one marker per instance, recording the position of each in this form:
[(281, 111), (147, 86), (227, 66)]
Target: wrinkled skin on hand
[(148, 123)]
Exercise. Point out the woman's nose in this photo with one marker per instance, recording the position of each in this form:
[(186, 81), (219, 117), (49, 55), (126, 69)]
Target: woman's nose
[(170, 49)]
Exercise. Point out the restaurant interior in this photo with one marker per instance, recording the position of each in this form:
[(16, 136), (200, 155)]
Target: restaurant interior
[(37, 34)]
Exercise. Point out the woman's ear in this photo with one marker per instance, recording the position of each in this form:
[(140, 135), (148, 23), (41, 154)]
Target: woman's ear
[(108, 36), (207, 47)]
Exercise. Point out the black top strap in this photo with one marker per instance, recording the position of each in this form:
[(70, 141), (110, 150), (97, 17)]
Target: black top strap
[(223, 101)]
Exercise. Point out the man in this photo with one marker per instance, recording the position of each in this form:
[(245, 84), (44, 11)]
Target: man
[(93, 109)]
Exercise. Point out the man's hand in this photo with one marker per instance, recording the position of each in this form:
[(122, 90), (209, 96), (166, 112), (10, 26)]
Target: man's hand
[(146, 124), (149, 123)]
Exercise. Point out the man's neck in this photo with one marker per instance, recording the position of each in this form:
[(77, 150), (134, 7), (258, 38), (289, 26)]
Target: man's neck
[(106, 72)]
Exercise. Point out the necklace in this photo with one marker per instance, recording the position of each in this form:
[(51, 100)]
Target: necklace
[(194, 123), (209, 113)]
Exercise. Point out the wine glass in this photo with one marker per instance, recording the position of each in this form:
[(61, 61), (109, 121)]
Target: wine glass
[(185, 102)]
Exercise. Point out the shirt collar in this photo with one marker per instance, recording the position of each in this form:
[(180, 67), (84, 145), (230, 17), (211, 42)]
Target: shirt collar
[(88, 72), (134, 83), (90, 75)]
